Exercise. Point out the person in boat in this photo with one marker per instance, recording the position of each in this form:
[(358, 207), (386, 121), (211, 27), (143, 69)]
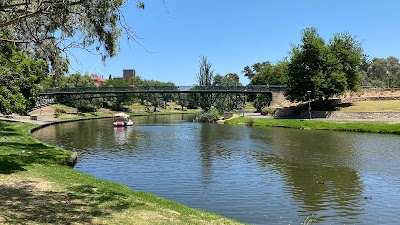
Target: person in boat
[(126, 120)]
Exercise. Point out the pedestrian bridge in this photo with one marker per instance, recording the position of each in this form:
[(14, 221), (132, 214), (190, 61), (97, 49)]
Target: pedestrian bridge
[(275, 91), (162, 89)]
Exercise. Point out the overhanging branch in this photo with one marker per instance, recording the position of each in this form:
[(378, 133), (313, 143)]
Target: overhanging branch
[(15, 20), (15, 41)]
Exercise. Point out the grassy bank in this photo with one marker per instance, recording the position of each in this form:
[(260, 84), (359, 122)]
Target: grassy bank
[(359, 126), (371, 106), (36, 189)]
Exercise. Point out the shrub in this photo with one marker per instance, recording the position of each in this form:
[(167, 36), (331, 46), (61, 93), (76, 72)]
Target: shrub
[(250, 123), (57, 112), (268, 111), (210, 116)]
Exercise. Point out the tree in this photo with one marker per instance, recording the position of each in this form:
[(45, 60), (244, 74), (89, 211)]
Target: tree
[(135, 81), (115, 82), (248, 72), (380, 72), (232, 79), (20, 74), (218, 80), (348, 53), (261, 100), (50, 28), (324, 69), (255, 68), (117, 102), (86, 103), (205, 78), (227, 101), (271, 74), (156, 99)]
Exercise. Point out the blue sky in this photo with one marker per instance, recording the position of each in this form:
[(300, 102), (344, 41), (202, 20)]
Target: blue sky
[(233, 34)]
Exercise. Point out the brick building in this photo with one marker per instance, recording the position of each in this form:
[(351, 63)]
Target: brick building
[(128, 73)]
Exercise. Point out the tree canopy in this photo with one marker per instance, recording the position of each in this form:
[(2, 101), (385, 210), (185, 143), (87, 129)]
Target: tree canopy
[(50, 28), (381, 72), (20, 74), (267, 73), (325, 69)]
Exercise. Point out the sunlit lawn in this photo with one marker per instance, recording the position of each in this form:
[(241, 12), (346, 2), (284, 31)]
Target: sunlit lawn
[(359, 126), (372, 106)]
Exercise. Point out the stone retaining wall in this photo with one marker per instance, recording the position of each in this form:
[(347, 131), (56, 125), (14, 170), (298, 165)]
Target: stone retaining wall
[(288, 112), (365, 115), (350, 115)]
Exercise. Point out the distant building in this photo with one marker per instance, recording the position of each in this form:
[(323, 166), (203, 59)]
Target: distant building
[(97, 79), (127, 74)]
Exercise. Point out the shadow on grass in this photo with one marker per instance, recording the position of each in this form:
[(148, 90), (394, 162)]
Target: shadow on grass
[(17, 155), (27, 202), (8, 166), (342, 105), (7, 132)]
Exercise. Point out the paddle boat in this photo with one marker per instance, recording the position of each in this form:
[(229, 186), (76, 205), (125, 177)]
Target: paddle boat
[(123, 123)]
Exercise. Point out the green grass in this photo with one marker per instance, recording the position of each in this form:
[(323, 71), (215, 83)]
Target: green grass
[(371, 106), (66, 116), (359, 126), (18, 149), (63, 107), (36, 188)]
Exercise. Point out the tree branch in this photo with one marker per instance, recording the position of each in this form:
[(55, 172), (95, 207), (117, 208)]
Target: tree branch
[(15, 41), (32, 14), (12, 21), (12, 5)]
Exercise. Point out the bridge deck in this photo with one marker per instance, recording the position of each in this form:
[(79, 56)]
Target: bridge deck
[(162, 89)]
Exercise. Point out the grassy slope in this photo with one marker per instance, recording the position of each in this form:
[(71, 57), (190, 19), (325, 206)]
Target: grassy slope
[(373, 106), (360, 126), (35, 189)]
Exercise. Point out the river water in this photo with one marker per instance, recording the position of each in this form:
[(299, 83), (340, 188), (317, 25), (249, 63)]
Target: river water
[(253, 175)]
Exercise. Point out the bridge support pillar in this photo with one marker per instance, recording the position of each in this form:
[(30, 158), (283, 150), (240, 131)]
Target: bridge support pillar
[(277, 97)]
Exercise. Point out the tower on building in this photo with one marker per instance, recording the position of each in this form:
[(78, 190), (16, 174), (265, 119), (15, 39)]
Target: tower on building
[(128, 73)]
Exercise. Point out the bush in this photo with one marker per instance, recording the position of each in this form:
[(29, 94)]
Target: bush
[(210, 116), (250, 123), (268, 111), (57, 112)]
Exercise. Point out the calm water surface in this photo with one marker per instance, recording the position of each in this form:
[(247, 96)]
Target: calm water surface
[(254, 175)]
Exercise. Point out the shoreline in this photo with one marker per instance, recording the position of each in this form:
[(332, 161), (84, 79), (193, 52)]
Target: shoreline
[(60, 194), (361, 125)]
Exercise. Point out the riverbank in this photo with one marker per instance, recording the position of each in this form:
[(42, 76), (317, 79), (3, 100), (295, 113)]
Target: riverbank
[(37, 188), (372, 126)]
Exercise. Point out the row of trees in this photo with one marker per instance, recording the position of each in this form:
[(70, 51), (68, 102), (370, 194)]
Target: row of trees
[(119, 101), (380, 72), (205, 77), (116, 102), (325, 68)]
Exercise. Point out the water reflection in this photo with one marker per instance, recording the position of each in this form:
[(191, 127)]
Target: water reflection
[(212, 148), (317, 169), (260, 176)]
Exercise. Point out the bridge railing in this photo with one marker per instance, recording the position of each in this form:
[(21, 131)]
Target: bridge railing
[(163, 89)]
